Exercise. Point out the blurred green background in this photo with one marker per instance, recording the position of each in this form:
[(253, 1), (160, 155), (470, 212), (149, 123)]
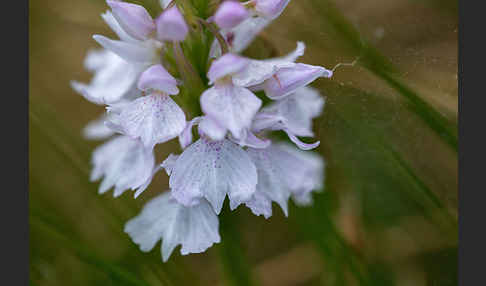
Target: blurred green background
[(388, 215)]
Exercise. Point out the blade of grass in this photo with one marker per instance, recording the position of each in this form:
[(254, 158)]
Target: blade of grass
[(314, 222), (419, 191), (233, 258), (114, 271)]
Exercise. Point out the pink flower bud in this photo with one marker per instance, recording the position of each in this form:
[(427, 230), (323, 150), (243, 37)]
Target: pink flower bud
[(156, 77), (171, 26), (227, 64), (134, 19), (230, 14)]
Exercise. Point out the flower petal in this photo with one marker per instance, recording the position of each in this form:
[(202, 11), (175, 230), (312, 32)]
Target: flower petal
[(212, 170), (102, 93), (169, 163), (258, 71), (195, 228), (300, 144), (133, 52), (185, 138), (154, 119), (288, 79), (270, 9), (294, 112), (271, 185), (230, 14), (241, 36), (158, 78), (124, 163), (305, 179), (171, 26), (133, 18), (96, 129), (249, 139), (144, 186), (299, 109), (96, 59), (231, 107), (211, 128), (113, 80), (115, 27), (227, 64)]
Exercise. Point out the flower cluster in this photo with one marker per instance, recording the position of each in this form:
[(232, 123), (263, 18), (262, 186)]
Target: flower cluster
[(146, 81)]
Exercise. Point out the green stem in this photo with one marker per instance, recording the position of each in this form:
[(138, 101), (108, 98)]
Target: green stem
[(233, 258), (217, 34)]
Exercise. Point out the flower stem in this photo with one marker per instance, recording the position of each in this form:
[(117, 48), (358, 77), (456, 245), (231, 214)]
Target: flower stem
[(212, 28)]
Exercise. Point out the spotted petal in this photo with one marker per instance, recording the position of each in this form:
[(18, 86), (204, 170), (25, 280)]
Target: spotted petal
[(195, 228), (154, 119), (211, 170)]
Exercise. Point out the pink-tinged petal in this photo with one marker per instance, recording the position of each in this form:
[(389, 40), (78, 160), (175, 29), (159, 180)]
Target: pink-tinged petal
[(132, 52), (154, 119), (124, 163), (115, 27), (270, 9), (211, 170), (307, 178), (232, 107), (210, 128), (185, 139), (241, 36), (272, 186), (171, 26), (250, 140), (298, 110), (260, 70), (257, 72), (158, 78), (228, 64), (294, 112), (195, 228), (288, 79), (300, 144), (267, 119), (230, 14), (133, 18)]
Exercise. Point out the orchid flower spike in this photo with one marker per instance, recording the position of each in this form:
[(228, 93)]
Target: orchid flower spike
[(154, 91)]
